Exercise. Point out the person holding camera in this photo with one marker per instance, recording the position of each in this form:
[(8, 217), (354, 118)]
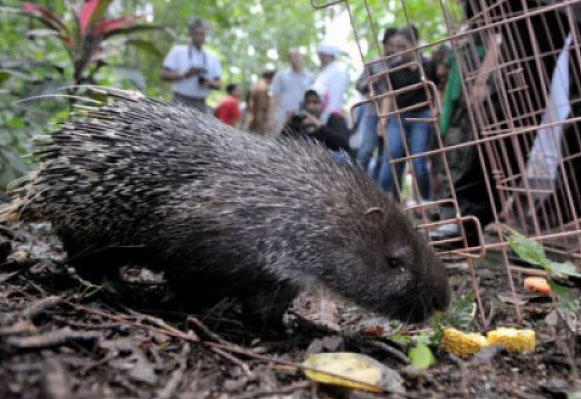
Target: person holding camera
[(307, 124), (192, 70)]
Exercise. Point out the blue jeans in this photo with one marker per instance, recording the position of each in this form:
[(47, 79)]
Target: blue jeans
[(418, 140), (341, 157), (368, 143), (368, 139)]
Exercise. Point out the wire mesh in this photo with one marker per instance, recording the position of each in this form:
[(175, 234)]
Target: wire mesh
[(519, 69)]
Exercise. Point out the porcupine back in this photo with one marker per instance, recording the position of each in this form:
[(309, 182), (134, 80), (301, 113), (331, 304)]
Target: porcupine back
[(219, 204)]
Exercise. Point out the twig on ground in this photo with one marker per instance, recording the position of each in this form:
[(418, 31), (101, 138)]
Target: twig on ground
[(529, 271), (399, 355), (568, 344), (19, 327), (168, 391), (281, 391), (233, 359), (206, 330), (223, 346), (88, 326), (51, 339), (38, 307), (297, 366), (491, 314), (97, 363), (463, 386), (56, 382), (167, 330)]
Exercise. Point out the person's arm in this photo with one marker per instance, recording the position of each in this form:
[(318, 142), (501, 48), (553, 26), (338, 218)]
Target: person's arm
[(236, 115), (215, 84), (169, 75), (337, 90), (382, 122), (335, 134), (480, 90), (214, 81), (169, 71), (277, 90), (362, 82)]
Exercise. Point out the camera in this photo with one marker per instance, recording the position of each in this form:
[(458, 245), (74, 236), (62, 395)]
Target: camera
[(296, 122), (298, 116), (202, 80)]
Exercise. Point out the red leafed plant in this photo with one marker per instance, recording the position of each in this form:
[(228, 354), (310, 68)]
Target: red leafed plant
[(84, 36)]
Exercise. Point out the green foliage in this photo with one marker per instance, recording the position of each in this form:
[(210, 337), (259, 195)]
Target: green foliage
[(83, 33), (532, 252), (568, 301), (528, 250), (421, 356), (460, 315)]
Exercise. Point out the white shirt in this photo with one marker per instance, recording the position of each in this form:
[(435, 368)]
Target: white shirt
[(289, 86), (332, 81), (181, 58)]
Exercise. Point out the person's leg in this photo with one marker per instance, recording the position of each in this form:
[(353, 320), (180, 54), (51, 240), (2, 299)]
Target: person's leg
[(380, 150), (368, 140), (419, 142), (393, 150)]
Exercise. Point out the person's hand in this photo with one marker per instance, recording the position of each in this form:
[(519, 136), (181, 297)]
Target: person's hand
[(193, 71), (311, 120), (381, 124), (288, 115), (478, 93)]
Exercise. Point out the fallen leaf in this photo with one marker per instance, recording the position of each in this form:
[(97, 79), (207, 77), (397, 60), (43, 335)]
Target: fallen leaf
[(421, 356), (353, 370)]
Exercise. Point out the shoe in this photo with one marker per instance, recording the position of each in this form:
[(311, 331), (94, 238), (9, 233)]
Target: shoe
[(445, 232), (452, 230)]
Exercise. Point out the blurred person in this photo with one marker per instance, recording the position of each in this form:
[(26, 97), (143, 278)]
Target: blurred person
[(288, 89), (307, 124), (414, 104), (259, 106), (228, 109), (441, 61), (332, 80), (473, 196), (192, 70), (370, 140)]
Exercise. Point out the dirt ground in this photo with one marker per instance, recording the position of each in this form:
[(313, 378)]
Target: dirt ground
[(63, 338)]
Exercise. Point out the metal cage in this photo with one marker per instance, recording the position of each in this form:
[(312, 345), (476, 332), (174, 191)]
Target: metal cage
[(519, 69)]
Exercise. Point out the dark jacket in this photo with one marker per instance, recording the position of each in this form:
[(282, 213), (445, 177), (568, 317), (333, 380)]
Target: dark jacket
[(334, 134)]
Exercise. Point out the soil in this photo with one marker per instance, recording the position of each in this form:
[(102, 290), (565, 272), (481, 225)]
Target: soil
[(61, 337)]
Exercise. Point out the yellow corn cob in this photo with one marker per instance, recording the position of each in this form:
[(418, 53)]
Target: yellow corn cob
[(513, 339), (462, 344)]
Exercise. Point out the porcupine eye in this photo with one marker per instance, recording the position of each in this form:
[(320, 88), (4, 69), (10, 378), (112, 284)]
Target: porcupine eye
[(393, 263)]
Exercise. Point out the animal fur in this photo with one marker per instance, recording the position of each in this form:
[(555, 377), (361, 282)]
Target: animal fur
[(228, 213)]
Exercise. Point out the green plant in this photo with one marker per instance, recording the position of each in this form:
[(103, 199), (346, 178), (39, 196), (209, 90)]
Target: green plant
[(532, 252), (85, 35)]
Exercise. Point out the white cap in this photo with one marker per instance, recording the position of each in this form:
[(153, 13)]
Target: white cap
[(327, 49)]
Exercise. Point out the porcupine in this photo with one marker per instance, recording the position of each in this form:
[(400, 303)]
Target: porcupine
[(226, 213)]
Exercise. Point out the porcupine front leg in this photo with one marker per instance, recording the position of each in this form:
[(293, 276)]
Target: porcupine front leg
[(265, 309)]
